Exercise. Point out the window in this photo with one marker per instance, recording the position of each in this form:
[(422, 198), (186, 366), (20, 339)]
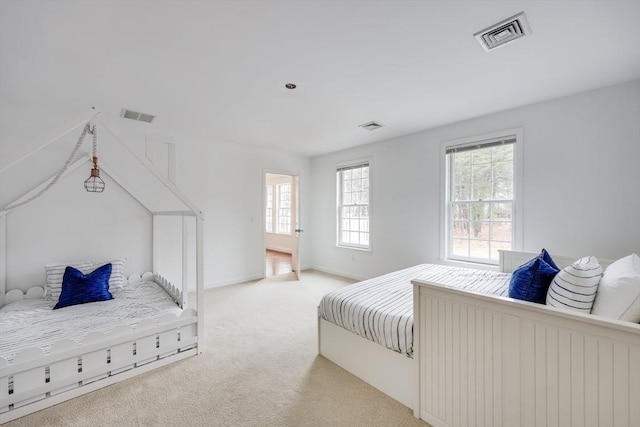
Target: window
[(278, 208), (284, 208), (353, 206), (269, 210), (480, 199)]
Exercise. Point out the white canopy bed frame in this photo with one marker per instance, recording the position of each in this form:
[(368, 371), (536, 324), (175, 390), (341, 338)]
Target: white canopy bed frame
[(35, 380), (475, 359)]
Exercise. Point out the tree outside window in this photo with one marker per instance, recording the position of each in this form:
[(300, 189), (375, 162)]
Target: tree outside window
[(480, 200)]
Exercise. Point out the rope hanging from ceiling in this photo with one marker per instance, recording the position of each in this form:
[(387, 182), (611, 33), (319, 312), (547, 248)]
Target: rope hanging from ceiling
[(88, 128)]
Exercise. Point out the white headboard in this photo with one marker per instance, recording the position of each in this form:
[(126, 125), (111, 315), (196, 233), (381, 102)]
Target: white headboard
[(510, 260), (3, 257)]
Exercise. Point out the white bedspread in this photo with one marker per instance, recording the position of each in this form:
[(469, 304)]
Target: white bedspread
[(381, 309), (34, 323)]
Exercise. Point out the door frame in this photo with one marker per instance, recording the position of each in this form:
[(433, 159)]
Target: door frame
[(296, 236)]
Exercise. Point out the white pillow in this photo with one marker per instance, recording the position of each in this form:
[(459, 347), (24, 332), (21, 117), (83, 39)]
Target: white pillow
[(575, 286), (618, 295), (55, 273)]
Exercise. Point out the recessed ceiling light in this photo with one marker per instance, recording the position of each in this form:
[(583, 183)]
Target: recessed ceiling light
[(371, 126), (290, 86)]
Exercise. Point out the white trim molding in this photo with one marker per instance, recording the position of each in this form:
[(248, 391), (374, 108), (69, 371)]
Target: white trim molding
[(518, 190)]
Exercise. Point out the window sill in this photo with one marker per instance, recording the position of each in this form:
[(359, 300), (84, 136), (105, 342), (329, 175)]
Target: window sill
[(468, 264), (354, 248)]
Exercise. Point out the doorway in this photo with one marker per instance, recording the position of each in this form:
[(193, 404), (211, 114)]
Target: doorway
[(281, 229)]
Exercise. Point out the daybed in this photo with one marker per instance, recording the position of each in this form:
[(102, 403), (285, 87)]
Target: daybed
[(376, 318), (481, 359)]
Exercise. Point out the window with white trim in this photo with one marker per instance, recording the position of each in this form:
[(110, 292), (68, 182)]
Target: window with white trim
[(278, 208), (480, 199), (269, 210), (353, 206), (284, 208)]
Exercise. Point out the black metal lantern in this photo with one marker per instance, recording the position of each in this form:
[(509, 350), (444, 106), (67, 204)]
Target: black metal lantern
[(94, 184)]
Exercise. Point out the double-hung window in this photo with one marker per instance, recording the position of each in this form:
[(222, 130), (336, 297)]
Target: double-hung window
[(269, 210), (284, 208), (480, 199), (353, 206), (278, 208)]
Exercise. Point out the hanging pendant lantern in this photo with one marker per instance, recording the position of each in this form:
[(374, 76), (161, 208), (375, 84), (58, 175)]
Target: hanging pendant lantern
[(94, 184)]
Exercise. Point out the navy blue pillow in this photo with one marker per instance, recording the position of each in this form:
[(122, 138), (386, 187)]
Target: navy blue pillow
[(78, 288), (530, 281)]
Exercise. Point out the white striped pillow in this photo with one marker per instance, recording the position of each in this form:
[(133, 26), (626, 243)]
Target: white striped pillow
[(575, 286), (55, 273)]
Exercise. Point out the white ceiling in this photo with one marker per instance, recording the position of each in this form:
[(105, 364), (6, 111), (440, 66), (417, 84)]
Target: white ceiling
[(215, 70)]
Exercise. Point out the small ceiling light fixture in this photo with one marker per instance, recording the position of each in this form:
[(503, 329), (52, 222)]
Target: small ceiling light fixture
[(94, 184), (290, 86), (503, 32), (371, 126)]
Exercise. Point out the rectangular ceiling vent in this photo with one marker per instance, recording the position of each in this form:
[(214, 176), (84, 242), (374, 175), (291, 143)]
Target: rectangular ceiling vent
[(371, 126), (134, 115), (503, 32)]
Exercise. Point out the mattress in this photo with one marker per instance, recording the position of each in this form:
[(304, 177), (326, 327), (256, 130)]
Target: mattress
[(34, 323), (381, 309)]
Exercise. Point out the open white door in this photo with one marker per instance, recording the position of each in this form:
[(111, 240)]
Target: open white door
[(282, 223), (295, 225)]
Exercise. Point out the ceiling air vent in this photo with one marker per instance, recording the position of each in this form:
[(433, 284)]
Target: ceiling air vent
[(503, 32), (134, 115), (371, 126)]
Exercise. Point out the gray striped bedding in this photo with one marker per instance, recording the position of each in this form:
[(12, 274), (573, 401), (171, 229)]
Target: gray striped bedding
[(34, 323), (381, 309)]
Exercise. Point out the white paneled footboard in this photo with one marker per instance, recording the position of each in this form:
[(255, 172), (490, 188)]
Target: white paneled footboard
[(35, 380), (492, 361)]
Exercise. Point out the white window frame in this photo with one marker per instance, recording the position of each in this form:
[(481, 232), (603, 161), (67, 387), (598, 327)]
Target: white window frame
[(342, 166), (273, 227), (279, 208), (269, 219), (517, 223)]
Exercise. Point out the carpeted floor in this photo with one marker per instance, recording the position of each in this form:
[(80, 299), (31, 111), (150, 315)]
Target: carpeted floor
[(260, 368)]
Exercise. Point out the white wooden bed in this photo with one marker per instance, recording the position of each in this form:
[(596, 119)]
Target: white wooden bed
[(388, 365), (390, 372), (476, 358), (35, 379)]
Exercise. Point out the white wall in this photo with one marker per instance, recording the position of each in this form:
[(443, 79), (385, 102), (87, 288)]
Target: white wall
[(581, 184), (68, 224), (227, 182), (582, 196)]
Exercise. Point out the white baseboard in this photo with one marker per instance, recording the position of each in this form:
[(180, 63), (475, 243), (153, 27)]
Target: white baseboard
[(337, 273), (229, 282), (258, 277), (233, 281)]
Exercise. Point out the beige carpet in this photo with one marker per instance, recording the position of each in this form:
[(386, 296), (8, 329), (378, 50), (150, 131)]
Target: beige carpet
[(260, 368)]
